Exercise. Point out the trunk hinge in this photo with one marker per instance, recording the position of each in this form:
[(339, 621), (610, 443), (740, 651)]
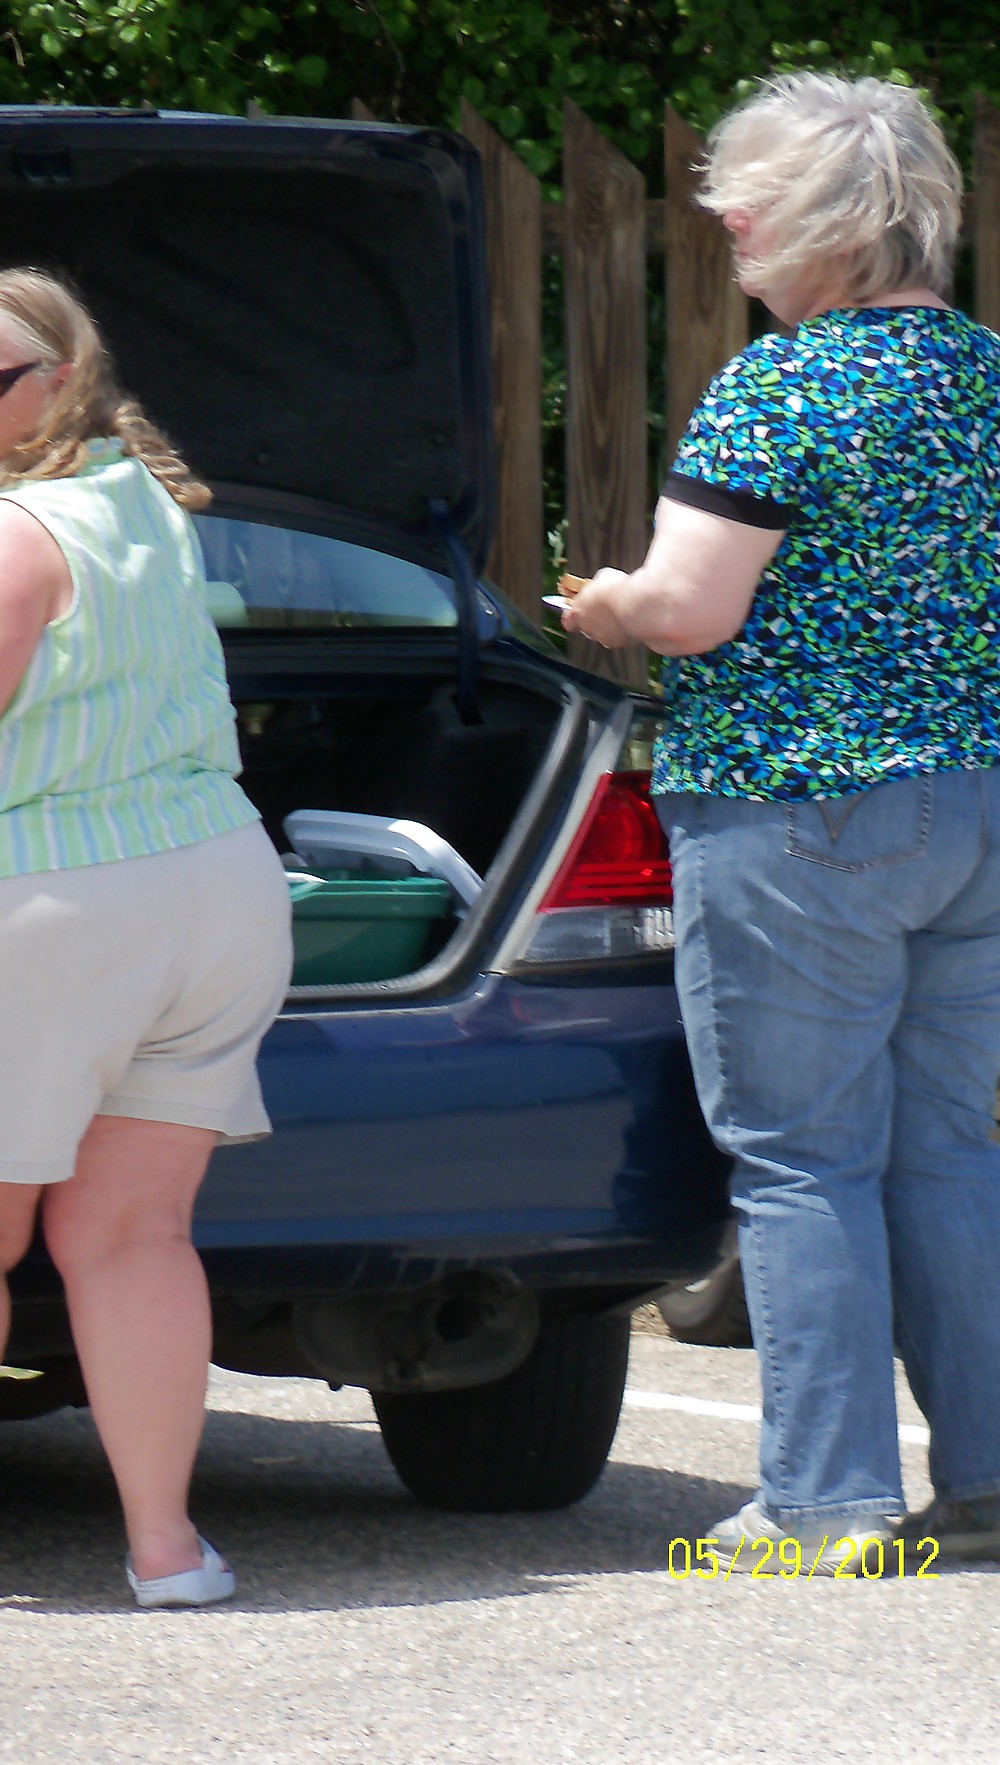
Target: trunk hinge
[(464, 578)]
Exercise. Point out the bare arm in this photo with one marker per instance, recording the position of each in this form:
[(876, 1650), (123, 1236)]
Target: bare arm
[(693, 591), (35, 586)]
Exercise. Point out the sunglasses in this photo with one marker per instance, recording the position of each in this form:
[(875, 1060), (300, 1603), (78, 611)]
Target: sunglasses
[(10, 376)]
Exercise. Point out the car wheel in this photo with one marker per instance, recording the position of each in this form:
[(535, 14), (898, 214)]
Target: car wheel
[(711, 1312), (538, 1438)]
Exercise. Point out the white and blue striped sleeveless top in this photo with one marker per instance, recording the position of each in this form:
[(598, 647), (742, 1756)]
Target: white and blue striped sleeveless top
[(120, 740)]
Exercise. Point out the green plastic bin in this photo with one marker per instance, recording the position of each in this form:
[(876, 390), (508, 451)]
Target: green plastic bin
[(346, 929)]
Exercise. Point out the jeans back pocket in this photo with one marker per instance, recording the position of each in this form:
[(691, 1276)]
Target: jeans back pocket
[(889, 824)]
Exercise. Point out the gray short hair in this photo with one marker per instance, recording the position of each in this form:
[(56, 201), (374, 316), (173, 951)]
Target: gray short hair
[(854, 170)]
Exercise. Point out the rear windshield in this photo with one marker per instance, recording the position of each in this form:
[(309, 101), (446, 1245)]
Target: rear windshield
[(282, 576)]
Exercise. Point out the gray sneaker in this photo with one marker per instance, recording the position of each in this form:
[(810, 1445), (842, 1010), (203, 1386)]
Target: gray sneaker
[(962, 1530), (742, 1543)]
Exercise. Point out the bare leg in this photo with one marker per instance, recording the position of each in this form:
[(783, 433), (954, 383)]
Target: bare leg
[(18, 1205), (120, 1234)]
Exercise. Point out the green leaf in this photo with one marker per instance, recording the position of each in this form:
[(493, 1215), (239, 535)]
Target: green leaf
[(537, 156), (510, 121), (311, 70)]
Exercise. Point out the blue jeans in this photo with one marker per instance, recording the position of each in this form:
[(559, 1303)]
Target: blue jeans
[(838, 965)]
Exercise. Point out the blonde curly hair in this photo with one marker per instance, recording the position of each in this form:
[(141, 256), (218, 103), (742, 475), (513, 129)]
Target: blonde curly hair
[(88, 405)]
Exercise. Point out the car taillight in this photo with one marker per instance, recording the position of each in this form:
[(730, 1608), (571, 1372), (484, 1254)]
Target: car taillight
[(619, 856), (610, 899)]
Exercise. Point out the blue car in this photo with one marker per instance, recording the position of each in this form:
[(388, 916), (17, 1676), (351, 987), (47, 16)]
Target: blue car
[(487, 1151)]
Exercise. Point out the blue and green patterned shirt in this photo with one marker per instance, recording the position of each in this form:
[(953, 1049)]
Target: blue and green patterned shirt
[(871, 438)]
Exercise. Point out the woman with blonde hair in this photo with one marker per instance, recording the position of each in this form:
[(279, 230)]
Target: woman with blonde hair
[(144, 918), (825, 583)]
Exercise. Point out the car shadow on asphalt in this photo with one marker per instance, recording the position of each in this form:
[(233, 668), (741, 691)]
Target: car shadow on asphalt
[(315, 1519)]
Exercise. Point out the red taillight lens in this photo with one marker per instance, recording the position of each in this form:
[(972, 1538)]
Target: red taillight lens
[(619, 856)]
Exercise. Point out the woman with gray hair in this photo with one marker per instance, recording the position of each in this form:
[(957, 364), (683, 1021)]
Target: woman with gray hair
[(824, 580)]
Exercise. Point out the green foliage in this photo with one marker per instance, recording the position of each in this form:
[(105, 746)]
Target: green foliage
[(408, 60), (949, 52), (415, 60)]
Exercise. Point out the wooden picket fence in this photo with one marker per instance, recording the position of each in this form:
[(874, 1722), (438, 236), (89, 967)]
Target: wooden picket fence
[(606, 229)]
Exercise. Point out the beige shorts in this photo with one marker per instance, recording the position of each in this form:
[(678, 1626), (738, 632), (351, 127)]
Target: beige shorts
[(139, 988)]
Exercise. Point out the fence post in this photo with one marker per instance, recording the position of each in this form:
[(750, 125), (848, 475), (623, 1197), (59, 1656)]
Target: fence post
[(708, 318), (514, 249), (985, 231), (605, 255)]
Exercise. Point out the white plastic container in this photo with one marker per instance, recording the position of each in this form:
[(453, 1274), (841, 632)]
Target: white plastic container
[(336, 840)]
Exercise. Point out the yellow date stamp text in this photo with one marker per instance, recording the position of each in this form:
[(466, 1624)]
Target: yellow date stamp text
[(788, 1559)]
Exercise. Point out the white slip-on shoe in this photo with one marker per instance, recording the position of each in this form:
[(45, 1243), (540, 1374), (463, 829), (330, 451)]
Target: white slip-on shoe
[(191, 1587), (750, 1541)]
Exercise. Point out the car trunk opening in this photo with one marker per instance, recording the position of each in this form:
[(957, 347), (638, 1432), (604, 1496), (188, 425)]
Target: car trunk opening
[(396, 745), (303, 307)]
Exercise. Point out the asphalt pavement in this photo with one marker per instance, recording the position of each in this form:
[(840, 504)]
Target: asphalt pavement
[(367, 1627)]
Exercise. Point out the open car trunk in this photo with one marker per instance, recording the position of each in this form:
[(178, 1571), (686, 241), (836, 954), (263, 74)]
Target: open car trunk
[(303, 307), (396, 745)]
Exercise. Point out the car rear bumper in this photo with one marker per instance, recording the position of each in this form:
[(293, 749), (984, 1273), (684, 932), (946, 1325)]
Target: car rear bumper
[(548, 1133), (550, 1130)]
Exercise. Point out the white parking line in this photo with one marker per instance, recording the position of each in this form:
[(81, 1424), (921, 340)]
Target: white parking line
[(733, 1412)]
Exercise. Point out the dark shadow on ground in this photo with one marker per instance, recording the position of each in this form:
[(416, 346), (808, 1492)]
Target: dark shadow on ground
[(315, 1519), (322, 1522)]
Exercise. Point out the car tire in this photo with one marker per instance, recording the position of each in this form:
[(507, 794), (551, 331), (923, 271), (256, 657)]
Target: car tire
[(538, 1438), (712, 1313)]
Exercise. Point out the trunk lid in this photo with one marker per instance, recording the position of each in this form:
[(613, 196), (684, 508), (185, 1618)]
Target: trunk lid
[(301, 305)]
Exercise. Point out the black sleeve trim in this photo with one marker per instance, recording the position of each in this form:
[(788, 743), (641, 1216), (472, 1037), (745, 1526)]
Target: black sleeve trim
[(733, 505)]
